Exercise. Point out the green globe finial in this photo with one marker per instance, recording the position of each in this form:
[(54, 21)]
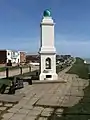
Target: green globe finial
[(46, 13)]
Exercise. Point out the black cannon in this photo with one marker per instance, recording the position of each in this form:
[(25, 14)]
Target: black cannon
[(17, 83), (12, 89), (28, 79), (3, 88)]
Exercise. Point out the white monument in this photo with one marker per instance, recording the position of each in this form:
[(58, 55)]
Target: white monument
[(47, 50)]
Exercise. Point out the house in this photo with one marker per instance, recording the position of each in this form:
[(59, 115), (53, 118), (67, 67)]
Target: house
[(3, 56), (22, 57), (9, 56), (15, 56), (32, 58)]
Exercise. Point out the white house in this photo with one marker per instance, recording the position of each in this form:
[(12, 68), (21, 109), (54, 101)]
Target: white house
[(13, 56)]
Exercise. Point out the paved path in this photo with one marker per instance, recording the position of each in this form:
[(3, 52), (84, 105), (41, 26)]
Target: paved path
[(45, 101)]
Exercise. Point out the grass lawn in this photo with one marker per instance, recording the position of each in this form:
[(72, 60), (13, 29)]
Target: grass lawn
[(79, 68), (2, 69)]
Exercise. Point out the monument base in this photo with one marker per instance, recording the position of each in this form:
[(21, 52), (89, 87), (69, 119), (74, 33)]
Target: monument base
[(48, 76)]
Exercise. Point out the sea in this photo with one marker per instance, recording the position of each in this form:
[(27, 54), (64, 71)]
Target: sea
[(87, 60)]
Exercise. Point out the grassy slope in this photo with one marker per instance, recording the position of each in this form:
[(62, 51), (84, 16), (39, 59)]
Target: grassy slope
[(79, 68)]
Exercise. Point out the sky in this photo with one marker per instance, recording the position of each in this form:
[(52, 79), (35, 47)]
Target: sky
[(20, 25)]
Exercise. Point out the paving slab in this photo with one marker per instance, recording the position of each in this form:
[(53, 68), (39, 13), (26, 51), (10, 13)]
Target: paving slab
[(48, 81), (34, 112), (60, 101), (59, 110), (70, 101), (48, 109), (27, 107), (75, 91), (32, 101), (48, 104), (46, 113), (28, 117), (1, 103), (13, 110), (23, 101), (18, 106), (23, 111), (18, 117), (38, 108), (3, 108), (43, 118), (8, 104), (5, 119), (11, 98), (8, 115)]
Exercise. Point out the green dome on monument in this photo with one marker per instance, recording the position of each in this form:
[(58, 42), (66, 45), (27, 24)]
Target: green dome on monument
[(46, 13)]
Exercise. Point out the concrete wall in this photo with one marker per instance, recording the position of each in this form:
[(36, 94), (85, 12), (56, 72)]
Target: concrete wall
[(17, 71), (2, 65)]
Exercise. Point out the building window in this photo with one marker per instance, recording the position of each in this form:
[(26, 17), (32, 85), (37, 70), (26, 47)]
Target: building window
[(18, 60), (48, 63)]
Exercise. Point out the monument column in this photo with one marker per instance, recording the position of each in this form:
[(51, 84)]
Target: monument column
[(47, 49)]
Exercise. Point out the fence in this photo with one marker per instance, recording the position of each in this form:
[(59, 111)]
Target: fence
[(11, 72)]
